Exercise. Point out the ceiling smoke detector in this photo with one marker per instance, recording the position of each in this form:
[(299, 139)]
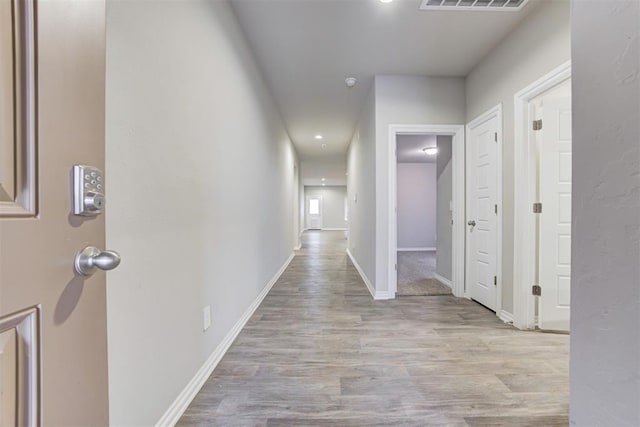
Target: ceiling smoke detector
[(350, 81), (474, 5)]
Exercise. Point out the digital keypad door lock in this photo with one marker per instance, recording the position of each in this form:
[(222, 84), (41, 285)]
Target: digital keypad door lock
[(88, 191)]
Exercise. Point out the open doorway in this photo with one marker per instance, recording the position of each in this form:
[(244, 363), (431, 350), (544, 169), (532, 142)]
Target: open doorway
[(423, 225), (427, 193)]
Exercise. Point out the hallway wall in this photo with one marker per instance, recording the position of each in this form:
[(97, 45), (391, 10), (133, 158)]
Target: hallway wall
[(444, 215), (406, 100), (416, 205), (333, 198), (605, 272), (361, 188), (192, 132), (537, 45)]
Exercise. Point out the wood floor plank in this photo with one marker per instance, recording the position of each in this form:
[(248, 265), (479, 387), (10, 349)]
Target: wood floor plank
[(320, 351)]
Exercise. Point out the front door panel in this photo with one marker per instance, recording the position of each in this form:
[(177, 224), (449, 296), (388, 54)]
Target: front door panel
[(37, 252)]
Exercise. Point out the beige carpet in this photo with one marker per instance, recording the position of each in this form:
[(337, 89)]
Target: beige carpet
[(416, 275)]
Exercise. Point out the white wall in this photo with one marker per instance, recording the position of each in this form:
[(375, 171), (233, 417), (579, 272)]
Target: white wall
[(416, 205), (605, 270), (538, 45), (406, 100), (333, 199), (444, 215), (361, 188), (192, 132)]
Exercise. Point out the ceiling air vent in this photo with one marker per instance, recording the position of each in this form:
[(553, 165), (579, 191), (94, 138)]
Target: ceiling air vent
[(474, 5)]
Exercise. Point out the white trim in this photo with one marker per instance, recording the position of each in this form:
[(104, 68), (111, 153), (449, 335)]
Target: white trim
[(458, 199), (377, 295), (488, 115), (524, 195), (334, 229), (416, 249), (297, 248), (505, 316), (443, 280), (180, 404)]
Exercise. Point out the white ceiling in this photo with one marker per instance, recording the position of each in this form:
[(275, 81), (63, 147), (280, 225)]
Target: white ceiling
[(409, 148), (306, 48)]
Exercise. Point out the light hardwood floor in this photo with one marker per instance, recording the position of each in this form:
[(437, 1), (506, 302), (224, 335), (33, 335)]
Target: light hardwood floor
[(321, 352)]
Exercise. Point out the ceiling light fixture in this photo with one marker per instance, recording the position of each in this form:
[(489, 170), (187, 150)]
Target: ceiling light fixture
[(323, 179), (386, 1), (319, 137), (430, 151), (350, 81)]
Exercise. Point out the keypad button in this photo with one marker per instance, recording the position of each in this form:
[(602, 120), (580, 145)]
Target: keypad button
[(93, 174), (99, 178), (99, 186)]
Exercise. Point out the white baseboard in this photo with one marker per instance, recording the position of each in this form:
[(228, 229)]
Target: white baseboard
[(416, 249), (505, 316), (377, 295), (443, 280), (177, 408), (297, 248), (334, 229)]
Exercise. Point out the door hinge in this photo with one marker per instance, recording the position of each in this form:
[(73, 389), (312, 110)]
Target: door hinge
[(537, 207), (495, 209), (537, 124), (495, 136), (395, 266), (536, 290), (495, 280)]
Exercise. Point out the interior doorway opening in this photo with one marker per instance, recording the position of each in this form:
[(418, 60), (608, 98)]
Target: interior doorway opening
[(424, 214), (426, 242)]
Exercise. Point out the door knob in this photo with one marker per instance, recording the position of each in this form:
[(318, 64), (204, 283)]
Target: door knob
[(471, 223), (91, 258)]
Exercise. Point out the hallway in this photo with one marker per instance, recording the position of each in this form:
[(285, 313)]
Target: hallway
[(321, 351)]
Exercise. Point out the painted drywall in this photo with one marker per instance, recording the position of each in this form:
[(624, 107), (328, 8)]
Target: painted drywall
[(193, 140), (333, 199), (605, 270), (331, 168), (416, 203), (406, 100), (444, 215), (539, 44), (361, 189)]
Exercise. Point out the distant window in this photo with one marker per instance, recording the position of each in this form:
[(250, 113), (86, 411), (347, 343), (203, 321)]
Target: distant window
[(314, 207)]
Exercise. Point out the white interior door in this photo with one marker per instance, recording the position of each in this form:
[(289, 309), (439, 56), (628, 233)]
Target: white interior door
[(555, 219), (482, 184), (314, 212)]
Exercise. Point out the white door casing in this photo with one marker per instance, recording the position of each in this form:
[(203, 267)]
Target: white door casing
[(483, 194), (314, 212), (555, 218)]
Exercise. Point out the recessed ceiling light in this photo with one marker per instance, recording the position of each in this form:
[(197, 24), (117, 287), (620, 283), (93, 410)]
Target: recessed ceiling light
[(323, 184), (323, 179), (319, 136), (430, 151), (386, 1)]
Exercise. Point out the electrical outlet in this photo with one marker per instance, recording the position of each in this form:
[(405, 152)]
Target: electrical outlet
[(206, 318)]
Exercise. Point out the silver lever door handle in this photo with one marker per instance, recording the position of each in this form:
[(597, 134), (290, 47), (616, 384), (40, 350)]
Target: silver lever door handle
[(471, 223), (91, 258)]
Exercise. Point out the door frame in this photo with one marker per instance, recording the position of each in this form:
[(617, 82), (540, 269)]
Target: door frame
[(458, 198), (306, 212), (524, 315), (482, 118)]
